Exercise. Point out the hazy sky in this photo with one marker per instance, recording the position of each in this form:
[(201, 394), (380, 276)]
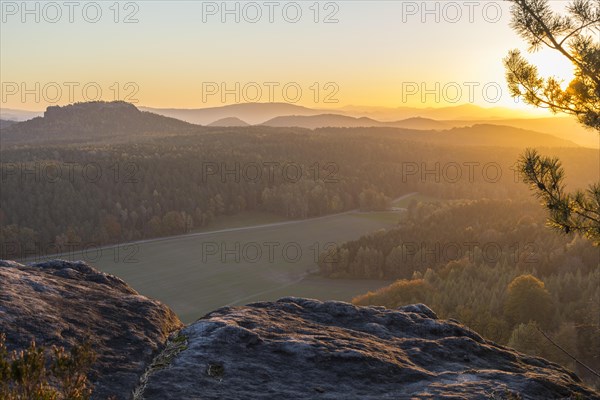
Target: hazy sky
[(181, 53)]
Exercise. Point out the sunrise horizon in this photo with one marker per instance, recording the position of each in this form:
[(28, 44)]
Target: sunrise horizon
[(207, 54), (520, 112)]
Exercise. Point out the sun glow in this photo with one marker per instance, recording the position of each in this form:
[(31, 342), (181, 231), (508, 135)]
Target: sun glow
[(551, 63)]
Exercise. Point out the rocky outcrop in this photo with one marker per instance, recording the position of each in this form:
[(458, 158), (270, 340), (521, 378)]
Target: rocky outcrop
[(290, 349), (95, 121), (63, 303), (306, 349)]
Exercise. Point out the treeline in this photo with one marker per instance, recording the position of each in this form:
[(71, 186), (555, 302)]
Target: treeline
[(491, 232), (56, 198), (511, 277)]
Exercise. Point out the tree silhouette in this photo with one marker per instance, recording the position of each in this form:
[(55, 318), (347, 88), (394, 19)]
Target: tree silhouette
[(572, 35)]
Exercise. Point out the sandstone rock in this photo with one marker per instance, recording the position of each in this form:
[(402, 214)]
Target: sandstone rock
[(61, 303), (306, 349), (290, 349)]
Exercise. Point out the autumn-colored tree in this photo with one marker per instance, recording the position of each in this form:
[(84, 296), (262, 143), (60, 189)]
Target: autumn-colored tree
[(112, 226), (528, 300), (173, 223), (399, 293)]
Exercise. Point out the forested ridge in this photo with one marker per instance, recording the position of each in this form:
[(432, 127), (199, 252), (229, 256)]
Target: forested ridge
[(432, 234), (56, 197)]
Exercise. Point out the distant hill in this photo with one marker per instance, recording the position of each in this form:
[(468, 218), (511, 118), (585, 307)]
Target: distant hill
[(362, 116), (252, 113), (229, 121), (93, 121), (499, 135), (258, 113), (290, 115), (6, 123), (343, 121), (464, 133), (12, 114), (459, 112), (420, 123), (321, 121), (110, 121), (476, 135), (567, 128)]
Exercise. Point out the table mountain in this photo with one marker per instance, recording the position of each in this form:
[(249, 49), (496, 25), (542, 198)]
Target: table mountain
[(92, 122)]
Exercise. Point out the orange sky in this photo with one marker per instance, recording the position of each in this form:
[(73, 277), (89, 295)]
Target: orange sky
[(317, 54)]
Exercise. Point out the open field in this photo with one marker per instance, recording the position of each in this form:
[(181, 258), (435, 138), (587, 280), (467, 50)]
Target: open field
[(240, 220), (200, 272)]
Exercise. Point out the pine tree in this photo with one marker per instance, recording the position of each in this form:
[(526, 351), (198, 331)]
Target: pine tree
[(574, 36)]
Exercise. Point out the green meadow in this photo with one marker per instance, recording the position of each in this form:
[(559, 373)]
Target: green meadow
[(234, 265)]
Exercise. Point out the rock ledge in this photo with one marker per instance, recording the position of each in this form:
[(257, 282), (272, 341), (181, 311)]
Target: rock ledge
[(307, 349), (62, 303)]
